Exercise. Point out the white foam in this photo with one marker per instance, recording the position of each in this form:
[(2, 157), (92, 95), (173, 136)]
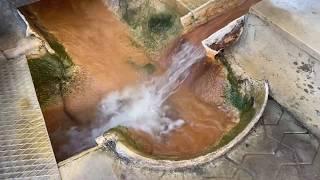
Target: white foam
[(141, 107)]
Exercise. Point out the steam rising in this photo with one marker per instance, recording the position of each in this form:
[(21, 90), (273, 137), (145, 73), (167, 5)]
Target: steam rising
[(142, 107)]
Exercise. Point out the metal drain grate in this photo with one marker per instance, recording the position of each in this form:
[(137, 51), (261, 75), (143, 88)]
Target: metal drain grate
[(25, 149)]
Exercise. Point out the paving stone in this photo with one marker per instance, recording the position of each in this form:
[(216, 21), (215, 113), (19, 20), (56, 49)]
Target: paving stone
[(288, 172), (265, 167), (305, 146), (311, 171), (171, 175), (287, 124), (222, 168), (242, 175), (272, 113), (256, 143)]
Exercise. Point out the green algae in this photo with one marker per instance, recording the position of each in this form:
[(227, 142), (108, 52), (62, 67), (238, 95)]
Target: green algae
[(152, 27), (147, 68), (161, 22), (50, 74), (243, 102), (53, 71), (125, 137)]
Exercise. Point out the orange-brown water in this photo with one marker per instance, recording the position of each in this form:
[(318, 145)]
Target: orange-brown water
[(101, 46)]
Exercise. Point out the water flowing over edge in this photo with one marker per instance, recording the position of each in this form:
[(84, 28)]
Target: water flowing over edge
[(142, 107)]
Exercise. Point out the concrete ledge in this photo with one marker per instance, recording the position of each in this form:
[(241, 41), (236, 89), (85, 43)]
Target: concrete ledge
[(206, 12), (298, 21), (91, 164), (285, 55)]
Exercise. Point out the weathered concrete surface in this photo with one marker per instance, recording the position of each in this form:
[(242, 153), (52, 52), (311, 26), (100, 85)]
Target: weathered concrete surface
[(91, 164), (207, 11), (12, 27), (284, 51), (211, 9), (192, 4), (20, 3), (278, 148), (300, 21)]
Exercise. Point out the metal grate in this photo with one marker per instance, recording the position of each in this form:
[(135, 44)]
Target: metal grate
[(25, 149)]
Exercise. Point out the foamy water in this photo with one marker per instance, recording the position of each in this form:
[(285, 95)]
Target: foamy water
[(142, 107)]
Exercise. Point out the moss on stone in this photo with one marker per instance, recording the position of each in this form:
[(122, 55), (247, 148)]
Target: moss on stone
[(152, 28), (47, 74), (245, 118), (125, 137), (51, 72), (148, 68), (243, 102), (161, 22)]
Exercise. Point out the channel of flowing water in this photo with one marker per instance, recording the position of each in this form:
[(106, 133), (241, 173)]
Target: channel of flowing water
[(100, 45), (142, 107)]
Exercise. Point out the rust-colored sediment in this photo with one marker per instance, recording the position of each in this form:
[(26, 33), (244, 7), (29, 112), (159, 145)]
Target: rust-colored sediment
[(100, 45)]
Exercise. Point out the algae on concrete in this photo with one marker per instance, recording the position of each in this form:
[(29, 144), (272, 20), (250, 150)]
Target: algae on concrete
[(153, 23), (243, 101), (148, 68), (53, 72)]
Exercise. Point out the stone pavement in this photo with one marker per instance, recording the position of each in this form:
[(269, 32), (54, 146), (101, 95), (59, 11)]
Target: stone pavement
[(278, 148)]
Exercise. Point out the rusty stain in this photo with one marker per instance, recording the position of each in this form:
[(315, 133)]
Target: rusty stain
[(229, 38), (24, 103)]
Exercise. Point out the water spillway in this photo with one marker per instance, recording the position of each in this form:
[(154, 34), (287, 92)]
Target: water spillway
[(206, 128), (102, 78)]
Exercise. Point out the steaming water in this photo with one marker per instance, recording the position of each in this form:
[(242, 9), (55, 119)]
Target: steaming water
[(142, 107)]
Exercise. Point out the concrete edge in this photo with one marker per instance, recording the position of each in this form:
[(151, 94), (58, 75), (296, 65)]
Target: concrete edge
[(293, 39), (78, 156), (111, 142)]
